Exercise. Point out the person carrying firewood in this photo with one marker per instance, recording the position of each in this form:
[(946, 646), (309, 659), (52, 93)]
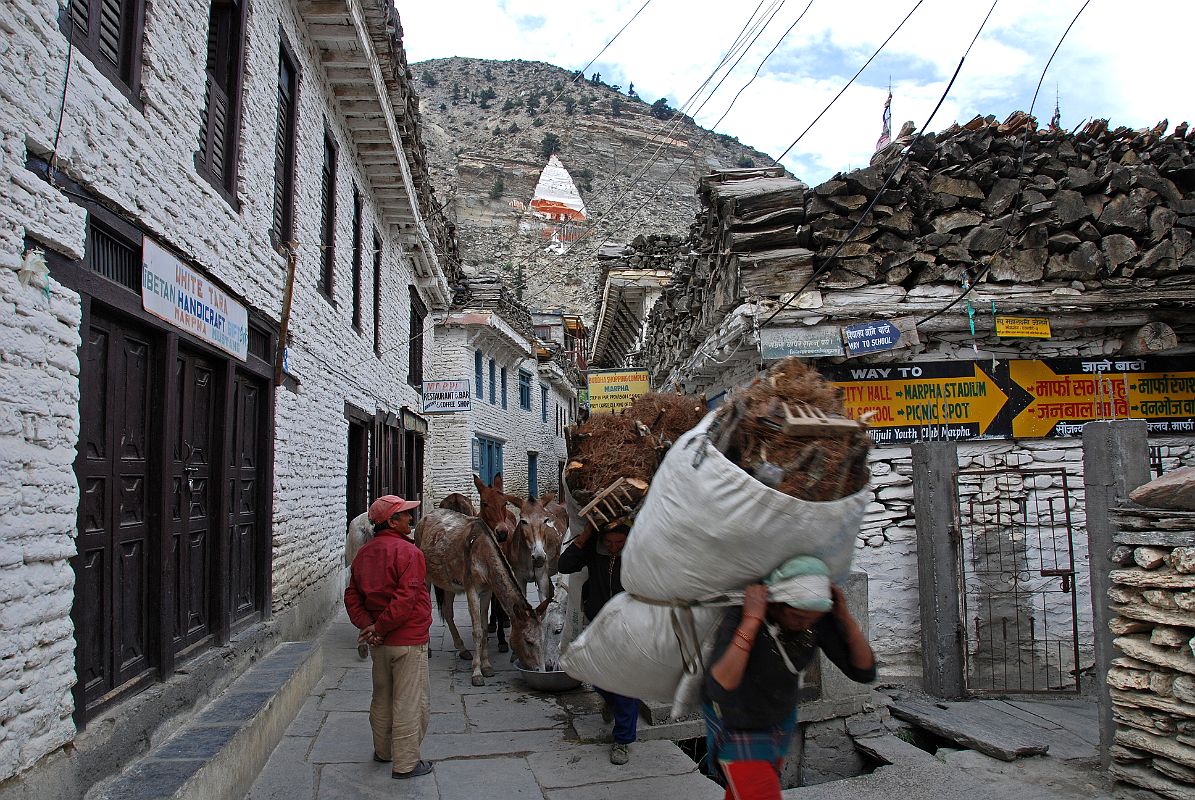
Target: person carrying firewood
[(603, 558), (750, 690)]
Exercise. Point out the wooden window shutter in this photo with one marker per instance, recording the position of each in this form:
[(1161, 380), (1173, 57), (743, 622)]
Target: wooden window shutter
[(111, 30), (81, 18), (328, 218), (282, 147), (216, 138)]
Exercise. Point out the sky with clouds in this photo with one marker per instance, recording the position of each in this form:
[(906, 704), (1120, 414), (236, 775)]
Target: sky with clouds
[(1129, 63)]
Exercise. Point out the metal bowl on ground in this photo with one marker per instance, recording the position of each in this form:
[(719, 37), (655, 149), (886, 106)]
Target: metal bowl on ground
[(554, 681)]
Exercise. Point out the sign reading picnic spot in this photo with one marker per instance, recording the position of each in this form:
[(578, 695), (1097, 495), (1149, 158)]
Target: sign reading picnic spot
[(612, 390), (1017, 398)]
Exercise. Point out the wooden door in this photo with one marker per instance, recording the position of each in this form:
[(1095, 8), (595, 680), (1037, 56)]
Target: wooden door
[(110, 611), (191, 497), (247, 491)]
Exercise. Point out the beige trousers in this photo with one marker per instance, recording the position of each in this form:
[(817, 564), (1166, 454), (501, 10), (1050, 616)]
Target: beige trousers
[(401, 704)]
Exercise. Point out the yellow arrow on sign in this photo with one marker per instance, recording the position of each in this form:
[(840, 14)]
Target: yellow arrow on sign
[(926, 401)]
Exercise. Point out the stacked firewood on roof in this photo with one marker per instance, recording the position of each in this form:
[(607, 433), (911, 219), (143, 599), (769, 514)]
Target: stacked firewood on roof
[(1152, 677), (788, 429), (614, 456), (1109, 209)]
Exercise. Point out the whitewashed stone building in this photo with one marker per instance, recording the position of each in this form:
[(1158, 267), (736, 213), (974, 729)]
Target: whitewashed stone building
[(167, 512), (522, 396), (1090, 238)]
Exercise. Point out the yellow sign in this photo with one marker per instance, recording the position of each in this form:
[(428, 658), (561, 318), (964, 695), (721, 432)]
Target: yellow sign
[(610, 391), (1103, 389), (915, 400), (1023, 327)]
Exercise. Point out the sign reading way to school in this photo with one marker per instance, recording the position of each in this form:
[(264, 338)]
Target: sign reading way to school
[(1017, 398), (172, 291), (612, 390), (440, 397)]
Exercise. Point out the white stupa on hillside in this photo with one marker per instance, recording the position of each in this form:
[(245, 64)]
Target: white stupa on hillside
[(556, 196)]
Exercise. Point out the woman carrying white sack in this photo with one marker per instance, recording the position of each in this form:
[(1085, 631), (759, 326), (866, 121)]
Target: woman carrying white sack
[(750, 689)]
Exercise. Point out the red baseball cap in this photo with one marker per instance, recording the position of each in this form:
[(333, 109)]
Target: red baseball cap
[(387, 506)]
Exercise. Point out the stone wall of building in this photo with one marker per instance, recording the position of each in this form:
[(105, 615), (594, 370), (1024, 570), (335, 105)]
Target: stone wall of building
[(140, 163)]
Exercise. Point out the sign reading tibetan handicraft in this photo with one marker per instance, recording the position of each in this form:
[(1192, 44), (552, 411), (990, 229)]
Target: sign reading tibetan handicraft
[(441, 397), (610, 391), (807, 342), (172, 291), (1018, 398), (1022, 327)]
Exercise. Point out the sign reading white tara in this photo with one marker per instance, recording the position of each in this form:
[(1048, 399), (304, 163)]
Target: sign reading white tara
[(174, 292), (441, 397)]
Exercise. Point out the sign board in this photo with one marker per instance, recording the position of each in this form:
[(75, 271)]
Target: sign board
[(612, 390), (1017, 398), (172, 291), (879, 335), (1022, 327), (441, 397), (815, 341)]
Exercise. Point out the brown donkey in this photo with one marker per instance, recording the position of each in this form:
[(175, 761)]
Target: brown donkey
[(463, 556), (534, 548)]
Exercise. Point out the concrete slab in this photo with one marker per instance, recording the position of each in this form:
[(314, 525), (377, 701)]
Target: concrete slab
[(197, 742), (345, 700), (372, 781), (357, 679), (450, 722), (469, 780), (287, 775), (469, 745), (344, 738), (329, 680), (689, 787), (592, 728), (309, 719), (509, 711), (587, 764), (1079, 717), (974, 726)]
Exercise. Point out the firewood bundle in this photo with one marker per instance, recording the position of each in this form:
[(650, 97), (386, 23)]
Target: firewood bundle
[(788, 429), (627, 447)]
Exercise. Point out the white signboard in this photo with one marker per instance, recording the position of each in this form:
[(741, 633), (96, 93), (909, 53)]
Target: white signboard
[(174, 292), (445, 396)]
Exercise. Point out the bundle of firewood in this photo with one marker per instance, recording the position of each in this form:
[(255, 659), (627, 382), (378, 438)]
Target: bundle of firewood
[(789, 430), (619, 453)]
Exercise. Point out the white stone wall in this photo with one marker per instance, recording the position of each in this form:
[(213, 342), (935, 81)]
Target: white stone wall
[(141, 163), (449, 459)]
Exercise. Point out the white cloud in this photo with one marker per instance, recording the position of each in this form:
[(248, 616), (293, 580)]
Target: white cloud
[(1127, 64)]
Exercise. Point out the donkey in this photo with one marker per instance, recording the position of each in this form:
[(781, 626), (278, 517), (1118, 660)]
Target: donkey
[(463, 555), (459, 503), (502, 522), (534, 548)]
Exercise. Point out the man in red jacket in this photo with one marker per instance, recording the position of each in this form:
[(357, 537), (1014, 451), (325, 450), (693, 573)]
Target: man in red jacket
[(387, 600)]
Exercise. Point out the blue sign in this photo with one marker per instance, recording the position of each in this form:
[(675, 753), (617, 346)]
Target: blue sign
[(870, 337)]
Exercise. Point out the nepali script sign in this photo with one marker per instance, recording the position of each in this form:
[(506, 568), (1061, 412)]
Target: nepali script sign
[(612, 390), (440, 397), (1017, 398), (172, 291), (817, 341)]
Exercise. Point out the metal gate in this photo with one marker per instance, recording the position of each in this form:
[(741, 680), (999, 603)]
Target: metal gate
[(1019, 603)]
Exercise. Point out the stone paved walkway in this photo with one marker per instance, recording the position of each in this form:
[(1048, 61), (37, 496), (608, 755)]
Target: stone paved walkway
[(497, 741)]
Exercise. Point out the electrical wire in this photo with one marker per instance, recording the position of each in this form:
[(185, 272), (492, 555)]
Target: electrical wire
[(904, 157)]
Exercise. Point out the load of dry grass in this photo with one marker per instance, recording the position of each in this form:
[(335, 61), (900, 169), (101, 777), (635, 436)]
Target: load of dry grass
[(817, 468), (630, 444)]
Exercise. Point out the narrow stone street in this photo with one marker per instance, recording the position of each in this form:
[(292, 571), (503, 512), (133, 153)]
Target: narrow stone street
[(500, 740)]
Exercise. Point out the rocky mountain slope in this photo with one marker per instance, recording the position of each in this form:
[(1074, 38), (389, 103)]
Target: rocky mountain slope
[(490, 127)]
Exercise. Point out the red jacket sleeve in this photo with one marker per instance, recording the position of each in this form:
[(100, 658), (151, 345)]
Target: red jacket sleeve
[(354, 603), (409, 572)]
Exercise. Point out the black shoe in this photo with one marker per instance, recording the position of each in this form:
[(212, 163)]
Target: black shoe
[(380, 760), (421, 768)]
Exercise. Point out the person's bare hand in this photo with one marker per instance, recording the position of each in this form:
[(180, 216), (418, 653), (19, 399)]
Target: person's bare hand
[(369, 636), (840, 609), (755, 601)]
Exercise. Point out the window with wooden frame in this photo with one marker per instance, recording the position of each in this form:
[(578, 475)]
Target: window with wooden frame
[(504, 387), (282, 221), (109, 33), (543, 403), (377, 295), (415, 342), (493, 382), (327, 283), (216, 159), (477, 373), (358, 244), (524, 390)]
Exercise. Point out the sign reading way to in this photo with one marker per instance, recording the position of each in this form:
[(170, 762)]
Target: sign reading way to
[(172, 291), (1023, 327), (1017, 398), (441, 397), (610, 391)]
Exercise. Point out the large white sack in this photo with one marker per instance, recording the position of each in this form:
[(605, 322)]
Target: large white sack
[(632, 648), (707, 527)]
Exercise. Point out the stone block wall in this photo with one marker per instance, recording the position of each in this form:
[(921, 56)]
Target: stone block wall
[(139, 161), (1152, 677)]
